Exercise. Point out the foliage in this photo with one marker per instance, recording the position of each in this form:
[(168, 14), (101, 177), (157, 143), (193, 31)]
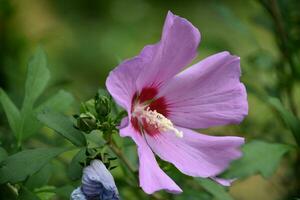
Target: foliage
[(18, 167), (23, 122), (215, 189), (46, 163), (266, 156), (62, 125)]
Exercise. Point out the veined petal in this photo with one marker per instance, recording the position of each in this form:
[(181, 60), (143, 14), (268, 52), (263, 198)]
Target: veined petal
[(77, 194), (208, 93), (196, 154), (156, 63), (177, 48), (124, 122), (98, 182), (152, 178), (121, 82)]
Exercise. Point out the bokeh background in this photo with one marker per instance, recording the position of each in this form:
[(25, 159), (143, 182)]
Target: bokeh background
[(84, 40)]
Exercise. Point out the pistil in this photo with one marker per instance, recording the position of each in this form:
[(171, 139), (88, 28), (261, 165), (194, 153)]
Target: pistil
[(155, 119)]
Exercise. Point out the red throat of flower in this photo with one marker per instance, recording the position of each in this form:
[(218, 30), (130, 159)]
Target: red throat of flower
[(149, 114)]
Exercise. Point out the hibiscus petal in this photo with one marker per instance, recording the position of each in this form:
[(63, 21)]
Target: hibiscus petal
[(177, 48), (121, 81), (98, 181), (207, 94), (224, 182), (152, 178), (124, 122), (156, 63), (77, 194), (196, 154)]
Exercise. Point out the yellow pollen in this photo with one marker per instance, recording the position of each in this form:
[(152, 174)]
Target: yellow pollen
[(157, 120)]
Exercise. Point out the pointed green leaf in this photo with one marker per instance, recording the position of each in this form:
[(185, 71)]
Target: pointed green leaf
[(3, 154), (190, 193), (11, 111), (23, 164), (62, 125), (25, 194), (218, 191), (45, 193), (59, 102), (75, 169), (258, 157), (24, 124), (38, 76), (64, 191), (36, 81), (40, 178), (30, 124)]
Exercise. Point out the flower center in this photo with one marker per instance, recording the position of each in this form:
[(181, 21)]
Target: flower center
[(153, 121)]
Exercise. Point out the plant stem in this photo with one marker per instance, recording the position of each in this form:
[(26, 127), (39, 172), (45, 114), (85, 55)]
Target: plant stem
[(121, 156), (284, 45), (291, 100), (276, 15)]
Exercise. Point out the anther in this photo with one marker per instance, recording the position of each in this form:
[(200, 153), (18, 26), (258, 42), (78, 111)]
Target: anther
[(157, 120)]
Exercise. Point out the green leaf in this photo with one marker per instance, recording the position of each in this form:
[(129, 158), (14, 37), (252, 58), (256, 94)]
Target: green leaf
[(3, 154), (59, 102), (36, 81), (190, 193), (290, 120), (75, 169), (30, 124), (64, 191), (25, 194), (11, 111), (40, 178), (38, 76), (45, 193), (214, 188), (23, 164), (258, 157), (24, 123), (63, 125)]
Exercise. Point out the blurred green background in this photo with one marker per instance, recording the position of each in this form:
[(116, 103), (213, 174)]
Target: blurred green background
[(84, 40)]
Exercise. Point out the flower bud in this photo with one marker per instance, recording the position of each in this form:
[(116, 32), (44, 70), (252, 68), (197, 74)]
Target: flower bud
[(77, 194), (103, 103), (86, 122), (97, 183)]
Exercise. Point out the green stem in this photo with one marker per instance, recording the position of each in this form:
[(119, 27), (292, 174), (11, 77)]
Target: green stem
[(291, 101), (121, 156), (274, 11), (126, 162), (276, 15)]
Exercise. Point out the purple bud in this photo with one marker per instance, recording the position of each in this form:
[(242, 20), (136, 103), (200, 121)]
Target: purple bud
[(97, 184)]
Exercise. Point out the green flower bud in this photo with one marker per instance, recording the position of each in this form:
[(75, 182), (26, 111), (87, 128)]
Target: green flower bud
[(88, 107), (103, 103), (86, 122)]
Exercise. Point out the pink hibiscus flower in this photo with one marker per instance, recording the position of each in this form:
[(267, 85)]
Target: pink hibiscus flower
[(164, 104)]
